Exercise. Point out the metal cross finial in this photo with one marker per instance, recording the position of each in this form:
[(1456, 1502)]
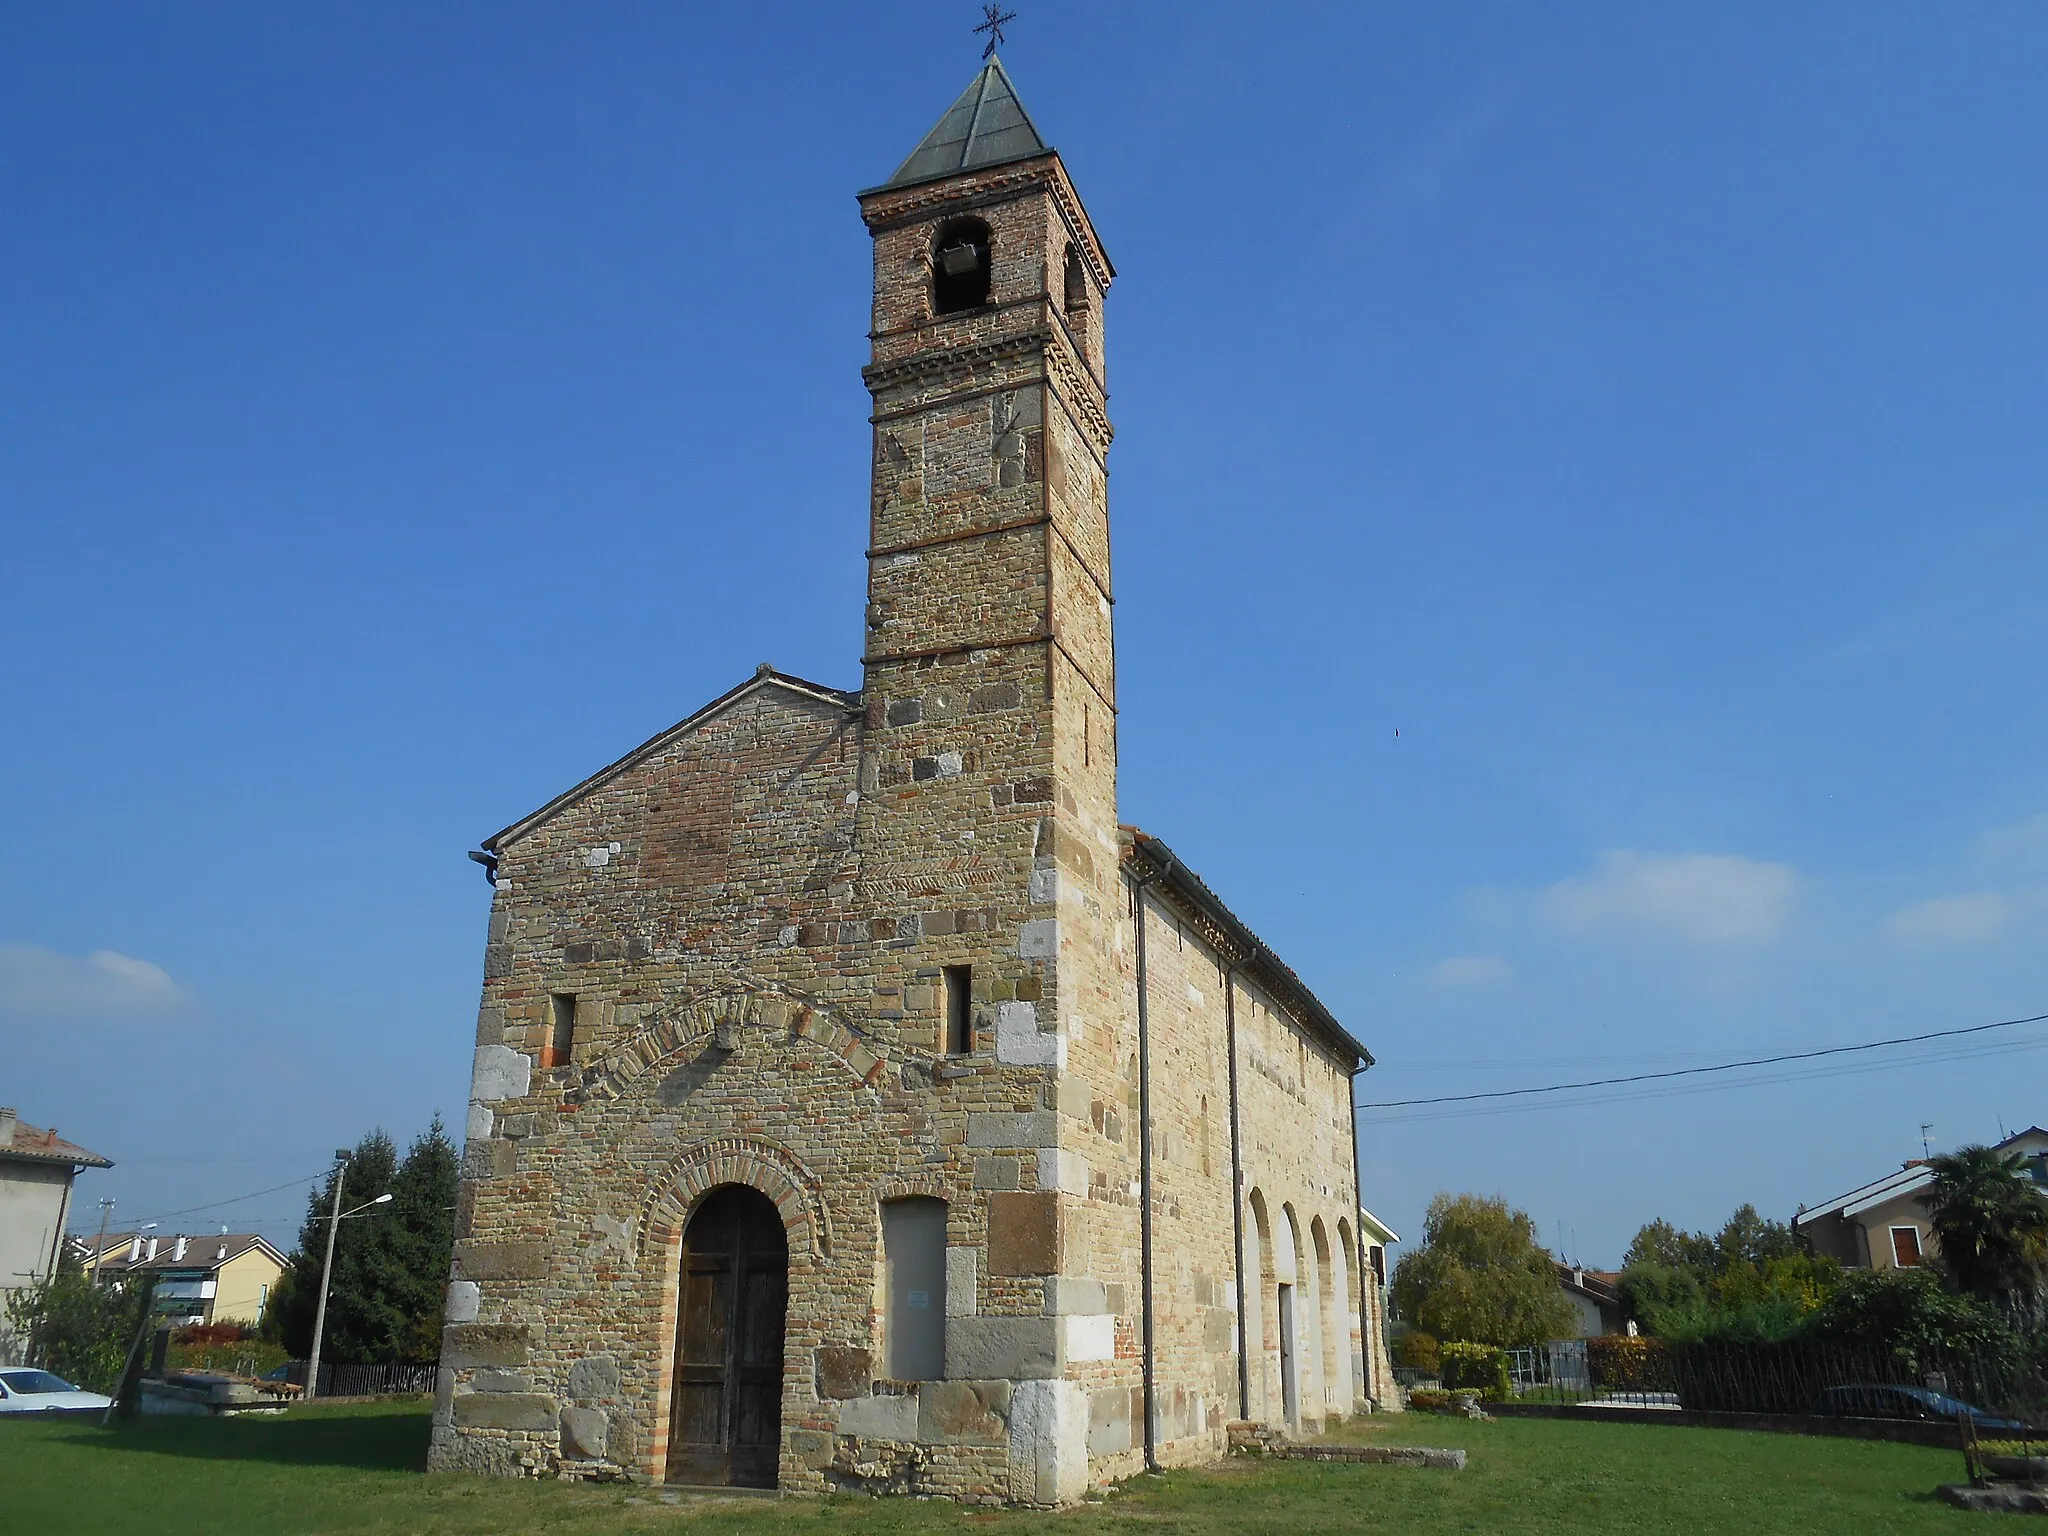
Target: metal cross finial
[(996, 19)]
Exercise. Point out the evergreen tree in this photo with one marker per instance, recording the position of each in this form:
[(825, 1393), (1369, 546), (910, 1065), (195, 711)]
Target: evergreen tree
[(422, 1234), (1668, 1247), (1748, 1238), (390, 1263)]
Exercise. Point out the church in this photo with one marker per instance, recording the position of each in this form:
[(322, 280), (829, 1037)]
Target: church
[(857, 1104)]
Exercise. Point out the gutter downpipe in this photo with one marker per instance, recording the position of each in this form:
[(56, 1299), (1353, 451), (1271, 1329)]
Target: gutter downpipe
[(1359, 1267), (1244, 1364), (1145, 1172)]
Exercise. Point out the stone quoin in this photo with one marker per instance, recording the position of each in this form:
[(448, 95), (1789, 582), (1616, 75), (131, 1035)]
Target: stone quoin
[(834, 1046)]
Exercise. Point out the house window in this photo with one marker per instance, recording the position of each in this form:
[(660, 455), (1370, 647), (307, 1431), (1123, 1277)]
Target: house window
[(914, 1289), (561, 1029), (1906, 1247), (960, 266), (959, 1010)]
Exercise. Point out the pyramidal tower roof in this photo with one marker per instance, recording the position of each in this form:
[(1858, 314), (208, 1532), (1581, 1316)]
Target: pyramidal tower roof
[(986, 126)]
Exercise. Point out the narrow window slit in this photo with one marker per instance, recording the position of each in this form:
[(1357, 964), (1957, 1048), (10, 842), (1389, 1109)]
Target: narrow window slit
[(561, 1030), (959, 1010)]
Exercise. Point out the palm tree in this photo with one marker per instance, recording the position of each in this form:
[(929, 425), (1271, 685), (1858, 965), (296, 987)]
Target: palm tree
[(1990, 1221)]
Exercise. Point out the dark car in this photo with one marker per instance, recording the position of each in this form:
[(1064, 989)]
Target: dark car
[(1882, 1402)]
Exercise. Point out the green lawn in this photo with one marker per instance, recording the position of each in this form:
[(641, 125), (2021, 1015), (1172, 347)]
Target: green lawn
[(353, 1468)]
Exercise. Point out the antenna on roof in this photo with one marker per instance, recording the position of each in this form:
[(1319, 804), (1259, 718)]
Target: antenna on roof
[(1925, 1127), (996, 18)]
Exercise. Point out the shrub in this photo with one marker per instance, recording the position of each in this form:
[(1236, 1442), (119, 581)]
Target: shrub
[(1906, 1312), (76, 1328), (1619, 1363), (1419, 1351), (1436, 1400), (1480, 1368)]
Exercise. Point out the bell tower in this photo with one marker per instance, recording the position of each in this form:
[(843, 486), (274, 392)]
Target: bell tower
[(990, 661)]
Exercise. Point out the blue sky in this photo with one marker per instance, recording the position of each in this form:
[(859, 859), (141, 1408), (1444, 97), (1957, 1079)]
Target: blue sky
[(403, 410)]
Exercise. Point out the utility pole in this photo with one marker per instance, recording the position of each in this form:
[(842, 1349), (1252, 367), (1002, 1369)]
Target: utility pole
[(99, 1247), (326, 1271)]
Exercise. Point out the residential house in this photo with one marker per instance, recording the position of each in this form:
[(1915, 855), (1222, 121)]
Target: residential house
[(1884, 1224), (1594, 1297), (1376, 1237), (37, 1169), (224, 1277)]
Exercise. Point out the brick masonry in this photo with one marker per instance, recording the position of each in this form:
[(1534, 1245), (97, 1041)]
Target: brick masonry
[(753, 914)]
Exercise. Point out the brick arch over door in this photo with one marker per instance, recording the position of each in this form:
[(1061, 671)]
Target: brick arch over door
[(775, 1171)]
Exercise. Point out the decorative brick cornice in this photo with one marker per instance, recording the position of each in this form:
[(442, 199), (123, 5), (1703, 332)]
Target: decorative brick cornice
[(1081, 390), (889, 209), (939, 365)]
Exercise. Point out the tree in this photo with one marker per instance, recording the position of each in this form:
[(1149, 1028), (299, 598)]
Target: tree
[(1481, 1276), (390, 1265), (1656, 1295), (80, 1330), (1662, 1244), (1747, 1238), (1990, 1222)]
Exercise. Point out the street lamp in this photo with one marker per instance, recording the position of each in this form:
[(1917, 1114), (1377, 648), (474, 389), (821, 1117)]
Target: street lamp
[(334, 1222)]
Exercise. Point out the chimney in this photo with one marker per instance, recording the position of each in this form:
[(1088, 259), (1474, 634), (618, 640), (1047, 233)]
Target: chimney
[(135, 1248), (178, 1251), (152, 1250), (6, 1127)]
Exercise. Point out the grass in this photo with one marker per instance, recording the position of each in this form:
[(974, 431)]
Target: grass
[(353, 1468)]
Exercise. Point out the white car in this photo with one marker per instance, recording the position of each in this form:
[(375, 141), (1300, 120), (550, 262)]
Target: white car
[(29, 1391)]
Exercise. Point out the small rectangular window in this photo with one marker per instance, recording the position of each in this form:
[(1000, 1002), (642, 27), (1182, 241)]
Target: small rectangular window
[(1906, 1247), (561, 1029), (959, 1010)]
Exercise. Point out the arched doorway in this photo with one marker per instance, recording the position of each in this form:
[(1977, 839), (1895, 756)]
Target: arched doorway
[(725, 1397)]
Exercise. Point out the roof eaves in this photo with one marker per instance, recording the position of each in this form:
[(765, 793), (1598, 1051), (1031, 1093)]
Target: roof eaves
[(765, 677), (53, 1149), (1386, 1233), (1888, 1194), (1255, 954), (1878, 1189)]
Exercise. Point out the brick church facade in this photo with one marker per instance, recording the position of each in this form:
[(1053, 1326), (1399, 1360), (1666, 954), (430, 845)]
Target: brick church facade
[(857, 1104)]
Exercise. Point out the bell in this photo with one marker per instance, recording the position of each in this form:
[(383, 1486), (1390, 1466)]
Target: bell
[(959, 260)]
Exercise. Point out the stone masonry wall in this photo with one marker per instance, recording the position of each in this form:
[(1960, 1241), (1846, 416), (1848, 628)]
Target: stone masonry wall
[(753, 914)]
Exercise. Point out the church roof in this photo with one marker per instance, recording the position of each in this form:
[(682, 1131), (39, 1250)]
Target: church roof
[(1189, 891), (764, 676), (986, 126)]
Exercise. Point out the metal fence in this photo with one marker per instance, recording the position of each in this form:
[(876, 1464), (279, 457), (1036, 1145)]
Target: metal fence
[(364, 1380), (1784, 1378)]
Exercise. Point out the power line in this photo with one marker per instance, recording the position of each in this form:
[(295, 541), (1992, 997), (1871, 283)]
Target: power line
[(1714, 1085), (1725, 1066), (238, 1199)]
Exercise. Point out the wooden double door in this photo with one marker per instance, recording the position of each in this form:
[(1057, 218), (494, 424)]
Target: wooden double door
[(725, 1413)]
